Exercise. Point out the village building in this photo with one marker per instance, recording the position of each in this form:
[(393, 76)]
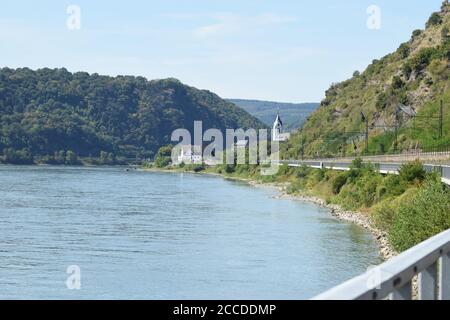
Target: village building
[(277, 131)]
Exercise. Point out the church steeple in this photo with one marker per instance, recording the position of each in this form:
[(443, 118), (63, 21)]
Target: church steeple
[(277, 128)]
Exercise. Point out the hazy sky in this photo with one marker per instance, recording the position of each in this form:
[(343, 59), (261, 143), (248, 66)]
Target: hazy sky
[(260, 49)]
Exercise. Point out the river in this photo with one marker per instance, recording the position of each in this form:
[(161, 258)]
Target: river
[(145, 235)]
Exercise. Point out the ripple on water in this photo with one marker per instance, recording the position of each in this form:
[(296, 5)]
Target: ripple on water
[(139, 235)]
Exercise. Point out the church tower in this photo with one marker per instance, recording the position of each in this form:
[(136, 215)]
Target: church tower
[(277, 129)]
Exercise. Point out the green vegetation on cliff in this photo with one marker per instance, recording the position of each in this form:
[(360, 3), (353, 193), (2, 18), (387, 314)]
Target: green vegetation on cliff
[(417, 75)]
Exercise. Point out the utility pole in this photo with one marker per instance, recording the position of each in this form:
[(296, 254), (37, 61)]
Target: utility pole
[(396, 127), (367, 136), (441, 120), (344, 142), (302, 148), (366, 120)]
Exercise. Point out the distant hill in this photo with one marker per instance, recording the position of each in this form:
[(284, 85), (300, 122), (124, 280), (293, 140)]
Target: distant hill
[(292, 114), (51, 113), (410, 81)]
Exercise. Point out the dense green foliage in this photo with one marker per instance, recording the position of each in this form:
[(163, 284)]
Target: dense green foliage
[(416, 75), (45, 112), (423, 216), (293, 115), (163, 157)]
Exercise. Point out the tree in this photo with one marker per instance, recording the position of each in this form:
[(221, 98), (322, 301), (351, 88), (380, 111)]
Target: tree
[(111, 158), (71, 158), (416, 33), (51, 110), (412, 172), (434, 20), (20, 157), (104, 157), (164, 157), (404, 50)]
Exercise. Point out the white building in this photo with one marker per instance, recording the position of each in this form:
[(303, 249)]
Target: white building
[(190, 155), (277, 131)]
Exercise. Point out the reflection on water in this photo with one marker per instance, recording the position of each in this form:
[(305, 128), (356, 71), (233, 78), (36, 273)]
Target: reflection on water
[(139, 235)]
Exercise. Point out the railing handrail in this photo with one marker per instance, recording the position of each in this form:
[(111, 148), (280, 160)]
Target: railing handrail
[(392, 277), (443, 169)]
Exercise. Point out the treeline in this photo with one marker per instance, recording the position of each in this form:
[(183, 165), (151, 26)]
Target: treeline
[(24, 157), (47, 112)]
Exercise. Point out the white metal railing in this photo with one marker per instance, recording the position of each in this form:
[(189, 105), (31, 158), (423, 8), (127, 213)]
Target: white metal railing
[(393, 280), (391, 168)]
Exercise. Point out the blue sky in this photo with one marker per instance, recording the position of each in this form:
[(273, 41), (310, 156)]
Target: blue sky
[(260, 49)]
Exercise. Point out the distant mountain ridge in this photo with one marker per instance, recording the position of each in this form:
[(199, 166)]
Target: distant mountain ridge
[(292, 114), (51, 111)]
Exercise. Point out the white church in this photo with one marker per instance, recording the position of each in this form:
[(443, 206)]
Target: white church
[(277, 131)]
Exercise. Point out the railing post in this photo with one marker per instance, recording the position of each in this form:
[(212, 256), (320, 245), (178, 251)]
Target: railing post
[(428, 283), (444, 277), (404, 293)]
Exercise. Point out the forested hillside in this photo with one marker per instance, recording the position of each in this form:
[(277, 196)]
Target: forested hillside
[(397, 97), (56, 116), (293, 115)]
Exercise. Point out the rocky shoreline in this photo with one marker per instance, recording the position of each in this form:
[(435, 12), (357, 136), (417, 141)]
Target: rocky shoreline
[(358, 218)]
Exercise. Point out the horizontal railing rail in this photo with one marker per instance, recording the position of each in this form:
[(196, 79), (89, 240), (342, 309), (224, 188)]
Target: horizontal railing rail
[(393, 280), (438, 151), (385, 168)]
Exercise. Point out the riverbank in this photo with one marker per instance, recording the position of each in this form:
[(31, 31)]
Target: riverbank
[(361, 219)]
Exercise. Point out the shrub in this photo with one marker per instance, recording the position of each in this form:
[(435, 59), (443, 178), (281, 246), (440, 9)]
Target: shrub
[(302, 172), (338, 182), (295, 187), (361, 190), (434, 20), (198, 168), (163, 157), (283, 170), (315, 177), (416, 33), (230, 168), (407, 70), (383, 213), (357, 164), (13, 156), (422, 59), (404, 50), (412, 172), (424, 216), (397, 82), (394, 185), (438, 68), (382, 100)]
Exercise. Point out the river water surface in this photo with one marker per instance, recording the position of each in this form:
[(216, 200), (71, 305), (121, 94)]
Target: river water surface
[(141, 235)]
